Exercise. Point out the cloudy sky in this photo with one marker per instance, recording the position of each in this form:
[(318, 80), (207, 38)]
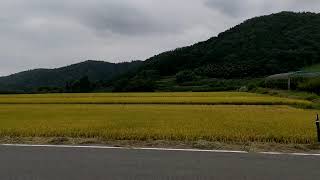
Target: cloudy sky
[(53, 33)]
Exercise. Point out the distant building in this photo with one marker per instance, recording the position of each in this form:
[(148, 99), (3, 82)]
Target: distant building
[(289, 79)]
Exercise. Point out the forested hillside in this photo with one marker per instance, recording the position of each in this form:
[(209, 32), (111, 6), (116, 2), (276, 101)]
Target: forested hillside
[(258, 47)]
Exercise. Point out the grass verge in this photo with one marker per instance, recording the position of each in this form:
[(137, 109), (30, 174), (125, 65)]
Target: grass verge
[(200, 144)]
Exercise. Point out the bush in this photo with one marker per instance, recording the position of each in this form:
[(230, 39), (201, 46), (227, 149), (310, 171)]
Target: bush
[(244, 89), (312, 85), (83, 85), (185, 76), (134, 85)]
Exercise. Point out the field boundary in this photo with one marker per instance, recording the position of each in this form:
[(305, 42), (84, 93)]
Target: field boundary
[(158, 103)]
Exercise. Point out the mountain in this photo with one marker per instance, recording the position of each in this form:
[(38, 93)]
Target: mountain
[(57, 78), (258, 47)]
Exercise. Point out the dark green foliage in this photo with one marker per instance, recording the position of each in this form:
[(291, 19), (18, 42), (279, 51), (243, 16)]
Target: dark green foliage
[(185, 76), (255, 84), (202, 84), (284, 83), (136, 81), (134, 85), (50, 90), (81, 86), (312, 85), (276, 84)]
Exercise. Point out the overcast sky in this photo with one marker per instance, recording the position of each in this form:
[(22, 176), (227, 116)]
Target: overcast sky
[(53, 33)]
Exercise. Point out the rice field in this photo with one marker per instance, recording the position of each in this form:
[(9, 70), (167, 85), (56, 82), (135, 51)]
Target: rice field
[(215, 98), (224, 117), (176, 122)]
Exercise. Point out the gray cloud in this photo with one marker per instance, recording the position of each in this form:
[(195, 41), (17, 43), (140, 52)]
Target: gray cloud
[(52, 33), (118, 18), (231, 8), (244, 8)]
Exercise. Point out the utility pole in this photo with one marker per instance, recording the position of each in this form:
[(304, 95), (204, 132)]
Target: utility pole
[(318, 127)]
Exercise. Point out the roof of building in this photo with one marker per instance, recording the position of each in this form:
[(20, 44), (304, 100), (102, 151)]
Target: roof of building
[(294, 74)]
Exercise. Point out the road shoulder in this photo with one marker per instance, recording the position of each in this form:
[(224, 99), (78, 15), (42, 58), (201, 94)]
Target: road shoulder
[(201, 144)]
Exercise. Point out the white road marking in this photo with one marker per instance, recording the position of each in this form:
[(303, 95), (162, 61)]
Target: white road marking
[(125, 148), (157, 149), (294, 154)]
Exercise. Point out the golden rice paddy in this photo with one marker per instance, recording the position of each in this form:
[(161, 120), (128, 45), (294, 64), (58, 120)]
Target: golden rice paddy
[(225, 117)]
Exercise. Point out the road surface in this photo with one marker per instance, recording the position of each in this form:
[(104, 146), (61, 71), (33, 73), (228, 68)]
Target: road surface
[(60, 163)]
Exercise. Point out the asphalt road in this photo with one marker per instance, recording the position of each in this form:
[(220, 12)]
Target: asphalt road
[(56, 163)]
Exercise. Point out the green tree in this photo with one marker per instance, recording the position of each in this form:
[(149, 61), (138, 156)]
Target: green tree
[(185, 76)]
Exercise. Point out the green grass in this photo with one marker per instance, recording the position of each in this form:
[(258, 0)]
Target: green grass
[(314, 68), (215, 98), (312, 97), (280, 124)]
